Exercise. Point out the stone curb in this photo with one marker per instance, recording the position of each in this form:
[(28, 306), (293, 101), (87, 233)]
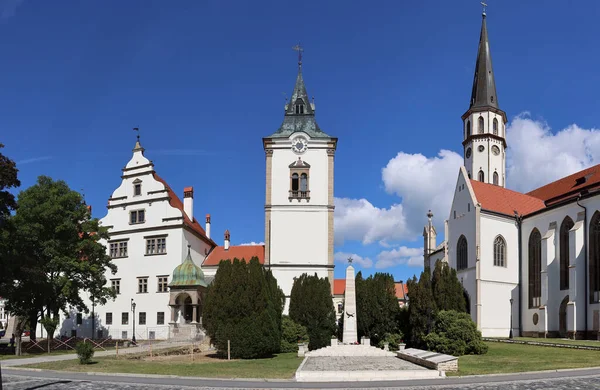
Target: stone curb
[(528, 372), (542, 344), (134, 375)]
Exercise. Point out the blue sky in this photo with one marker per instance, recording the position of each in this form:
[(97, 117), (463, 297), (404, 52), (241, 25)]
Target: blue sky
[(205, 81)]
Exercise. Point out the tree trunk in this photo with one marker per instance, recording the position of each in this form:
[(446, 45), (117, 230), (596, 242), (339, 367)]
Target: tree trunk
[(33, 320), (19, 327)]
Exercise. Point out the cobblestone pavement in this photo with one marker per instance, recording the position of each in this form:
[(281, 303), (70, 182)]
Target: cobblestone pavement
[(30, 383), (357, 363)]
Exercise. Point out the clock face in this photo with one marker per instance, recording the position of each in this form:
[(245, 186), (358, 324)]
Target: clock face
[(481, 148), (468, 154), (299, 145), (495, 150)]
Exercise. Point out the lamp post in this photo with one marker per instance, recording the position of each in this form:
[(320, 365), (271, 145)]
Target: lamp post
[(510, 333), (133, 310)]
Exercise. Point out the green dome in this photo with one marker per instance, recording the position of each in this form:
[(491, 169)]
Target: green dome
[(187, 274)]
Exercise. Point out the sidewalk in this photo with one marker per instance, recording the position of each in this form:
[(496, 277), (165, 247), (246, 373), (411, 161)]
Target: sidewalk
[(71, 356)]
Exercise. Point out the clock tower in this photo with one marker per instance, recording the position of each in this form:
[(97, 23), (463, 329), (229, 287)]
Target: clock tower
[(484, 123), (299, 194)]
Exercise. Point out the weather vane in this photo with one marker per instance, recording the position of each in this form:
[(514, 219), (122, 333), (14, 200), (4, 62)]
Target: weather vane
[(349, 260), (299, 49), (484, 5), (138, 132)]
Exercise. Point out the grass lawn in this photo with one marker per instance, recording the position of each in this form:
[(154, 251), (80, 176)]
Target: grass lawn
[(506, 358), (282, 366), (592, 343)]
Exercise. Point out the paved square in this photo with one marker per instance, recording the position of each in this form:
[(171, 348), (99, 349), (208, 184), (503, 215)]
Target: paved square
[(358, 363)]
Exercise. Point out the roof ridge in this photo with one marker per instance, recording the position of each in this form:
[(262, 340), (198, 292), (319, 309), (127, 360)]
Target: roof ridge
[(503, 188), (564, 178)]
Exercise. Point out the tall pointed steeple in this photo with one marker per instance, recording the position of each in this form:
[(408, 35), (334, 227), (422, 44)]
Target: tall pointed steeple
[(484, 85), (299, 110), (484, 123)]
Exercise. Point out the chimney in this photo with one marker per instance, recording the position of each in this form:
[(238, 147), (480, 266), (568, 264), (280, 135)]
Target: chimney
[(227, 237), (207, 225), (188, 202)]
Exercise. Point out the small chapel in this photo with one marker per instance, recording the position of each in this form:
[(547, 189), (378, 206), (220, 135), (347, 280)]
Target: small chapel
[(529, 262)]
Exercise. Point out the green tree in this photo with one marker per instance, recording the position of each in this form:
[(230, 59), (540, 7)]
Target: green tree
[(243, 304), (448, 292), (55, 242), (8, 180), (421, 309), (377, 307), (311, 305), (292, 333)]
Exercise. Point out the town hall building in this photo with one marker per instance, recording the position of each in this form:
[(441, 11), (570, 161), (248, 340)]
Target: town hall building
[(529, 262)]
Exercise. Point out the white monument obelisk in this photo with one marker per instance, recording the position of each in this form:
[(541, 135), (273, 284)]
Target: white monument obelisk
[(350, 336)]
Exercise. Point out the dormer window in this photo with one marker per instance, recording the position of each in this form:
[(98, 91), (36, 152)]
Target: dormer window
[(137, 187), (299, 106)]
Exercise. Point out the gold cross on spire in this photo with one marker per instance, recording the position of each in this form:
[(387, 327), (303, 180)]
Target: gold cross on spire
[(299, 49), (484, 5)]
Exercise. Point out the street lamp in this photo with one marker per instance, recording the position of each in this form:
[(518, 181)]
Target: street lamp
[(510, 334), (133, 310)]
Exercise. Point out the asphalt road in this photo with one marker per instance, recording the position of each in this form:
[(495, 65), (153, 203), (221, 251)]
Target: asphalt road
[(14, 379)]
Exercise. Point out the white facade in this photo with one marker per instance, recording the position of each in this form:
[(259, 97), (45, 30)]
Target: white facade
[(485, 147), (146, 249)]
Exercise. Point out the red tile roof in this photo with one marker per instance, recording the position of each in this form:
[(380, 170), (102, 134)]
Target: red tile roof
[(339, 286), (501, 200), (245, 252), (568, 186), (401, 290), (174, 201)]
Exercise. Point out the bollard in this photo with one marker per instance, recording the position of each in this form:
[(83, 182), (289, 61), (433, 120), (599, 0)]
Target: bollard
[(228, 351), (117, 347)]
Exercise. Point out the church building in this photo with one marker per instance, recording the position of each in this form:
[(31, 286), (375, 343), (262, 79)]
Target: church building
[(530, 262)]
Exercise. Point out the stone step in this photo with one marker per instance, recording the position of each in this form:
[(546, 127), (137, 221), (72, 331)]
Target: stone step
[(350, 350)]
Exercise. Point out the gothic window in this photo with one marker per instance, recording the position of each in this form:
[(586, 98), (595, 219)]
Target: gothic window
[(480, 176), (495, 178), (566, 225), (594, 242), (499, 252), (468, 128), (137, 187), (535, 269), (480, 125), (495, 126), (299, 106), (462, 261)]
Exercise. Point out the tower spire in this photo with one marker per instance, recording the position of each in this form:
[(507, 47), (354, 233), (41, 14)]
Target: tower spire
[(484, 85)]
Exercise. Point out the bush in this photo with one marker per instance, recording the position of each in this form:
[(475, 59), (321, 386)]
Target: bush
[(292, 333), (393, 339), (455, 334), (85, 352)]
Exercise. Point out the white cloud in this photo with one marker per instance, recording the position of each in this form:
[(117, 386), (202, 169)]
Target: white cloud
[(358, 219), (401, 256), (33, 160), (536, 156), (342, 257), (252, 243)]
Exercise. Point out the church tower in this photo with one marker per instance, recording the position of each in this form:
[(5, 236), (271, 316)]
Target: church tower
[(299, 193), (484, 123)]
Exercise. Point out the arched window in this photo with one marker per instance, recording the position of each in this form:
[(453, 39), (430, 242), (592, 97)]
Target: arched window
[(304, 182), (462, 259), (480, 176), (566, 225), (495, 176), (594, 243), (535, 269), (480, 125), (468, 128), (299, 106), (499, 252), (495, 126), (295, 184)]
